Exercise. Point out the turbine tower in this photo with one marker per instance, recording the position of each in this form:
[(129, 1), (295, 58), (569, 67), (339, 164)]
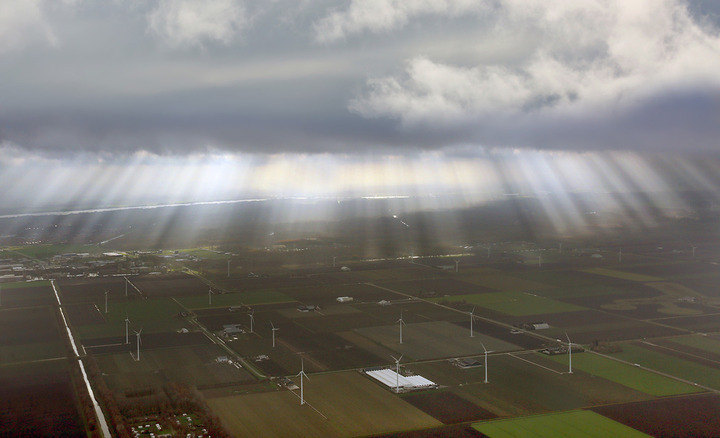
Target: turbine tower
[(274, 329), (402, 323), (252, 319), (570, 344), (210, 297), (302, 374), (126, 287), (0, 295), (457, 262), (620, 256), (397, 373), (486, 369), (137, 336), (106, 294), (127, 326), (472, 316), (693, 250)]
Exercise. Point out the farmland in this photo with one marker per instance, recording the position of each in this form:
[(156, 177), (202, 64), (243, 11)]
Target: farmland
[(329, 412), (214, 355), (628, 375), (568, 424), (39, 400)]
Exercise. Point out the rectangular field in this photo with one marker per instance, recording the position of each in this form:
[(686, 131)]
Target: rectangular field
[(39, 400), (623, 275), (670, 364), (429, 340), (628, 375), (565, 424), (680, 417), (525, 383), (350, 404), (249, 298), (26, 294), (513, 303)]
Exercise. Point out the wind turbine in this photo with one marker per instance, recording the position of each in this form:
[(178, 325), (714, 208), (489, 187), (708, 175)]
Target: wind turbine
[(486, 353), (539, 260), (402, 323), (334, 258), (127, 326), (570, 344), (137, 335), (126, 287), (106, 294), (210, 297), (472, 316), (302, 374), (457, 262), (693, 250), (228, 273), (620, 256), (252, 319), (397, 373), (274, 329)]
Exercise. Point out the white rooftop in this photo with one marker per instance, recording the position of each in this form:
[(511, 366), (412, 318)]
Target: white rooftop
[(390, 378)]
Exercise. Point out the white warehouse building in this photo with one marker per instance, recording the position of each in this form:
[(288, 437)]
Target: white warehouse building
[(390, 378)]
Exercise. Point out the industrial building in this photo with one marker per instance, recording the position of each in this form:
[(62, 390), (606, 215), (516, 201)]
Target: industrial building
[(392, 379)]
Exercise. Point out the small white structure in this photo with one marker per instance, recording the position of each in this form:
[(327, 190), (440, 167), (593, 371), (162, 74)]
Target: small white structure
[(540, 325), (390, 378), (345, 269), (344, 299), (384, 302)]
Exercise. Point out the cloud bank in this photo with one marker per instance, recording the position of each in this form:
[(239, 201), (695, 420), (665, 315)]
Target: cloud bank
[(375, 77)]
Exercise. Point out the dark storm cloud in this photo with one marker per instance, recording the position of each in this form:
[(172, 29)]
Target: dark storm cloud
[(118, 77)]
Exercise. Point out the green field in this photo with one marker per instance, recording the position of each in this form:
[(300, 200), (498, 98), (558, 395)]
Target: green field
[(153, 315), (429, 340), (499, 280), (628, 375), (526, 384), (353, 405), (707, 343), (41, 251), (666, 363), (514, 303), (24, 284), (631, 276), (235, 299), (564, 424)]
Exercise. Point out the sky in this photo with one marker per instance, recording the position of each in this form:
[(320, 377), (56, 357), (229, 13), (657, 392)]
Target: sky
[(200, 99)]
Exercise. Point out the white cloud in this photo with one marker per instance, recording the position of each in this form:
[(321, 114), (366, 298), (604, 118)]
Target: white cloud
[(22, 22), (586, 55), (385, 15), (194, 22)]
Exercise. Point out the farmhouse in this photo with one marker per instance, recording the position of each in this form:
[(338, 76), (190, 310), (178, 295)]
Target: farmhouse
[(308, 308), (344, 299), (467, 362), (231, 329), (537, 325)]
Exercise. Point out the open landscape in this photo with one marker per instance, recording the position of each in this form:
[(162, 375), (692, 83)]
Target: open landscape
[(360, 218), (195, 349)]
